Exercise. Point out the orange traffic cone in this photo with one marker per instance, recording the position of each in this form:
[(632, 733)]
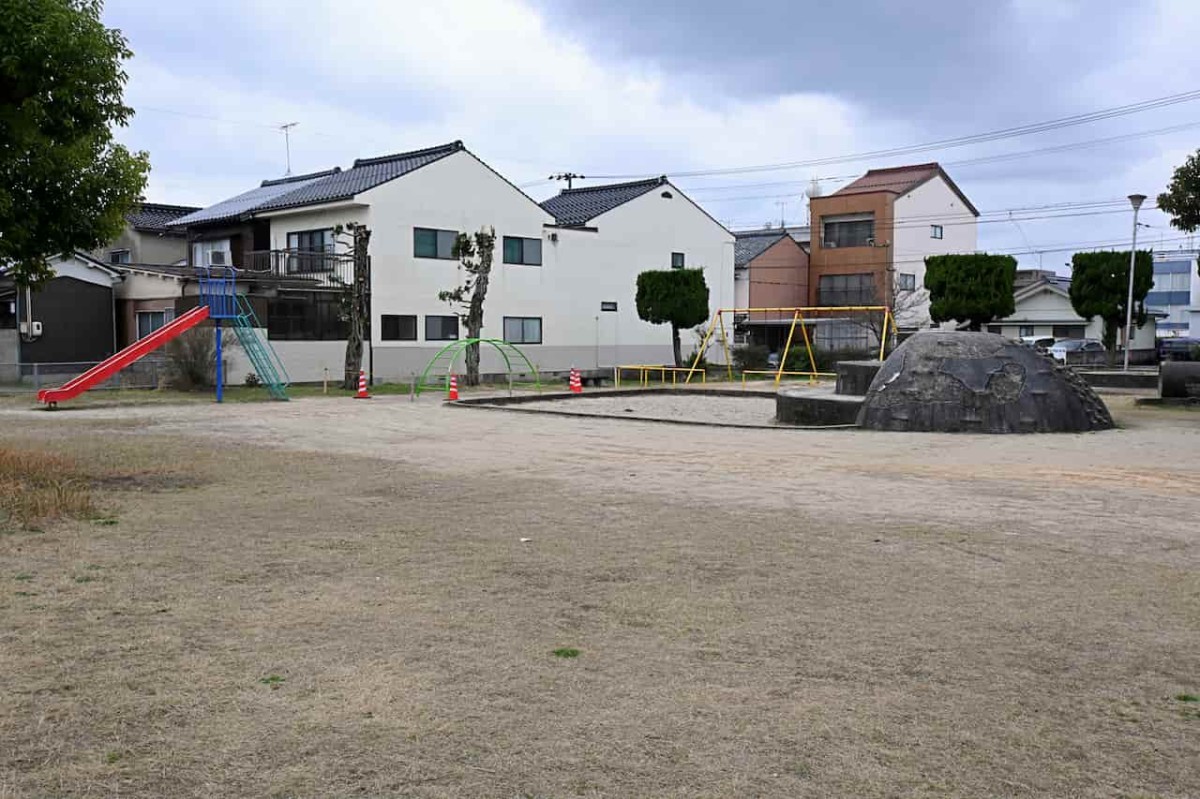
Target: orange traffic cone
[(453, 394), (576, 382), (362, 386)]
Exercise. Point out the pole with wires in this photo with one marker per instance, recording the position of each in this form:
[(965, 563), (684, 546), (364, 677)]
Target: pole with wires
[(1136, 201)]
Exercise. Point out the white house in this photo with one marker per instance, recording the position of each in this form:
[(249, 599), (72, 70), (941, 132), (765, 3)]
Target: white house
[(1043, 309), (562, 286)]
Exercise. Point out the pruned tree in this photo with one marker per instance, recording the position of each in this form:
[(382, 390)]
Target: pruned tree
[(64, 183), (474, 254), (678, 297), (973, 288), (1100, 287), (1182, 198)]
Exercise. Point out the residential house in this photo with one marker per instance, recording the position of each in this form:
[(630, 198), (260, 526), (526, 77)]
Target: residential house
[(770, 271), (870, 240), (1176, 293), (148, 237), (562, 286), (1044, 310), (64, 326)]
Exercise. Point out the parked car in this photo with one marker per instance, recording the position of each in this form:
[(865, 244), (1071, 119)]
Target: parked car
[(773, 360), (1177, 349), (1077, 350), (1039, 343)]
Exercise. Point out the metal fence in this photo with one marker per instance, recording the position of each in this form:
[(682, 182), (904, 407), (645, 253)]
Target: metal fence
[(30, 377)]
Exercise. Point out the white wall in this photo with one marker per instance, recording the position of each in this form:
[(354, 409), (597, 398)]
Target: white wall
[(140, 286), (579, 270), (931, 203)]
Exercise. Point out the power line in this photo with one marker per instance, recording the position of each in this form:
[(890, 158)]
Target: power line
[(960, 141)]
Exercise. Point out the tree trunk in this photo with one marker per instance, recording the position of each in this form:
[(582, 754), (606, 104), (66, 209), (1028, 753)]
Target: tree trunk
[(675, 344), (359, 308), (475, 326), (1110, 340)]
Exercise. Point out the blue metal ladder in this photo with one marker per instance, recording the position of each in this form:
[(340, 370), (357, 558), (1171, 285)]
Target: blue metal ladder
[(218, 291)]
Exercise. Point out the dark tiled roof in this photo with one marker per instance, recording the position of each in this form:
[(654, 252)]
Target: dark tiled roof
[(249, 201), (750, 244), (156, 217), (321, 187), (575, 207), (367, 173), (902, 180)]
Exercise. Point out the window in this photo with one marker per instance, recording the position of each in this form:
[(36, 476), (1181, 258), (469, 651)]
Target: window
[(678, 261), (608, 306), (935, 231), (311, 240), (848, 231), (211, 253), (522, 251), (310, 251), (846, 289), (441, 328), (149, 321), (1069, 331), (997, 329), (523, 329), (841, 336), (119, 257), (906, 282), (430, 243), (1025, 330), (398, 328), (306, 316)]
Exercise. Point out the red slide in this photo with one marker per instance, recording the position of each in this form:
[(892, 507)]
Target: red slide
[(134, 352)]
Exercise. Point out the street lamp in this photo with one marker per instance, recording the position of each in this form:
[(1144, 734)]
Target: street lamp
[(1136, 201)]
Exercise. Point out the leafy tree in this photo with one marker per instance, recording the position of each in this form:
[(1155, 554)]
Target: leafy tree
[(975, 288), (64, 183), (678, 297), (1182, 198), (1100, 287), (475, 255)]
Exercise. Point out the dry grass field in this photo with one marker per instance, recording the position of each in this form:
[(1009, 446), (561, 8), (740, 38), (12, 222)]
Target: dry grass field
[(329, 598)]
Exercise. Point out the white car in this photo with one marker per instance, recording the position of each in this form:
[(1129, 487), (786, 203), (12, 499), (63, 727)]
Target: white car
[(1081, 349)]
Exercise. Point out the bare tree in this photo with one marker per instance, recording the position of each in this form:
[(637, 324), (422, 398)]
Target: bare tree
[(355, 298), (475, 256)]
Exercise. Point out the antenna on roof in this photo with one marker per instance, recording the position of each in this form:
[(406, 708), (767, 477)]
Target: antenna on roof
[(569, 177), (287, 143)]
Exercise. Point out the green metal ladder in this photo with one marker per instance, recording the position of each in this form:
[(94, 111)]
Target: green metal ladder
[(262, 355)]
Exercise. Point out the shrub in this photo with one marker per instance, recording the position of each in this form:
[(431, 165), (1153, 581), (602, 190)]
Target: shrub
[(252, 380), (192, 359), (750, 357)]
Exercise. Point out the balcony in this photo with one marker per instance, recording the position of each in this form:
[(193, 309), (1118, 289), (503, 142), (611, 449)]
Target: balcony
[(313, 269)]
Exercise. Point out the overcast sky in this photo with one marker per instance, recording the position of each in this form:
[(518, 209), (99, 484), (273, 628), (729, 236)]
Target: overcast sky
[(626, 87)]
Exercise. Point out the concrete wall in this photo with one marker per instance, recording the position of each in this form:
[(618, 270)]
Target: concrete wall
[(931, 203)]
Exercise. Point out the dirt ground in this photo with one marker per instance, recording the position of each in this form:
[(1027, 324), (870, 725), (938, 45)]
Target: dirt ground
[(332, 598)]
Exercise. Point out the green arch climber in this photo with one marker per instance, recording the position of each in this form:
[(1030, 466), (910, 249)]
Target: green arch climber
[(449, 353)]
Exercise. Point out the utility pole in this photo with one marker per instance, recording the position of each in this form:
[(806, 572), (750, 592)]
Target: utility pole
[(782, 218), (287, 143), (569, 177), (1136, 201)]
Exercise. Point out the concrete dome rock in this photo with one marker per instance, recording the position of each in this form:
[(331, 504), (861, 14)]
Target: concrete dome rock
[(958, 382)]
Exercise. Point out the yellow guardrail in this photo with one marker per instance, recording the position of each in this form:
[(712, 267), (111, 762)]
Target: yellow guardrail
[(645, 370), (775, 374)]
